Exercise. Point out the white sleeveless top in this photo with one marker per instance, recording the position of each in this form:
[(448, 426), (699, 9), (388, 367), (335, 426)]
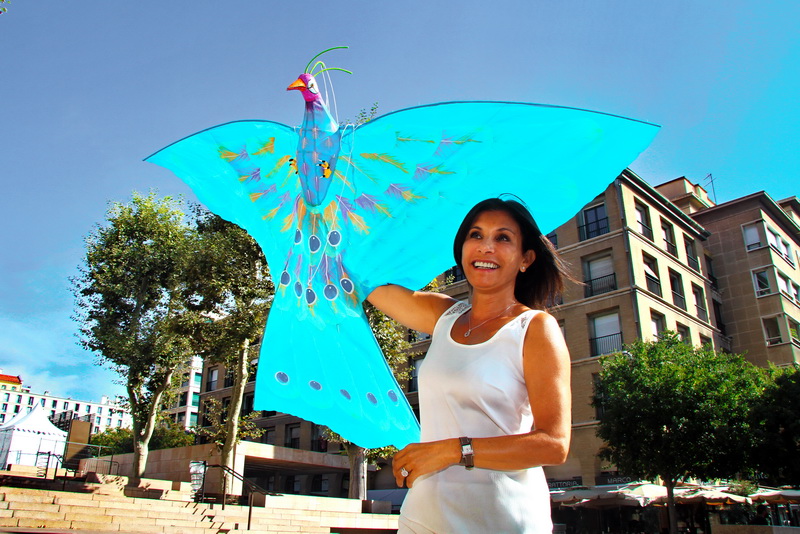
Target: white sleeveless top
[(476, 391)]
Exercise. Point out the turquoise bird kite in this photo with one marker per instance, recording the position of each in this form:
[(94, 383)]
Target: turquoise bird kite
[(340, 210)]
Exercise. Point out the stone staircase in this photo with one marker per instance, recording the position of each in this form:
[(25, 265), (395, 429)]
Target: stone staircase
[(26, 509)]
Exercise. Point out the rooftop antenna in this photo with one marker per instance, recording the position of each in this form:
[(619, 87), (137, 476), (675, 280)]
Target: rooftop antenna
[(710, 180)]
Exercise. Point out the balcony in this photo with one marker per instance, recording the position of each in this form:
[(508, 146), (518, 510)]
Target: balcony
[(653, 285), (600, 285), (776, 340), (679, 300), (645, 230), (593, 229), (606, 344), (701, 313)]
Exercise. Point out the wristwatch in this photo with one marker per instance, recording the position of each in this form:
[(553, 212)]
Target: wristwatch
[(467, 454)]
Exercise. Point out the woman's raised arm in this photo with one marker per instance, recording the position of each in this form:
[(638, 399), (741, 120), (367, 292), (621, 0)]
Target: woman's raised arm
[(417, 310)]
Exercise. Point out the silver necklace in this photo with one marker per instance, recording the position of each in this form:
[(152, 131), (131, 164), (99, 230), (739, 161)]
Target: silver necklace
[(470, 328)]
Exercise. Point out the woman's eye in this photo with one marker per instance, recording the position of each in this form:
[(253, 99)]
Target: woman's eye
[(474, 235), (503, 237)]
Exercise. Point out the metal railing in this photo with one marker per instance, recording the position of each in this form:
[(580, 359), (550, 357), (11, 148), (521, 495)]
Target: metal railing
[(671, 247), (252, 488), (645, 230), (693, 262), (702, 313), (593, 229), (653, 285), (606, 344), (679, 300), (600, 285)]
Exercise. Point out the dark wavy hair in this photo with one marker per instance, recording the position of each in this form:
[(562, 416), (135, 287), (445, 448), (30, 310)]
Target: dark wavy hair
[(543, 281)]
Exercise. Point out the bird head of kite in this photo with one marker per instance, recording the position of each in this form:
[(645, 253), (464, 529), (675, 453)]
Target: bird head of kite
[(306, 83)]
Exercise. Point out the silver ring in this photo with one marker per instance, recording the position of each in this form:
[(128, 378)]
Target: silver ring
[(403, 472)]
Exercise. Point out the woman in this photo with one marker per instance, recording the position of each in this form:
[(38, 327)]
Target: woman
[(494, 387)]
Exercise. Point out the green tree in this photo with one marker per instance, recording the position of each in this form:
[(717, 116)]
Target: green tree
[(120, 440), (777, 419), (131, 304), (675, 411), (232, 281)]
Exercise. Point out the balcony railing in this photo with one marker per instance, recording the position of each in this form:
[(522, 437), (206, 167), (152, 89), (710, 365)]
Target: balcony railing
[(600, 285), (593, 229), (679, 300), (645, 230), (702, 313), (671, 247), (606, 344), (774, 340), (653, 285), (693, 262)]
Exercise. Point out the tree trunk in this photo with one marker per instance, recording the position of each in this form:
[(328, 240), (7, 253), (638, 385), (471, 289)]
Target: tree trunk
[(143, 432), (358, 471), (671, 511), (240, 377)]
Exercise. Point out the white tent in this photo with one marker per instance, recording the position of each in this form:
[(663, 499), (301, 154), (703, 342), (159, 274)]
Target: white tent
[(27, 438)]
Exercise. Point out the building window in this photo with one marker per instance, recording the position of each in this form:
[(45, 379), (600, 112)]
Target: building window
[(553, 237), (292, 438), (701, 309), (192, 419), (779, 245), (669, 238), (229, 376), (705, 341), (684, 333), (676, 285), (717, 307), (184, 398), (643, 220), (100, 409), (198, 379), (6, 396), (247, 403), (761, 282), (454, 274), (195, 399), (413, 382), (772, 331), (31, 400), (651, 274), (600, 276), (54, 404), (318, 442), (319, 484), (691, 253), (213, 378), (268, 436), (657, 324), (752, 236), (710, 272), (598, 407), (794, 332), (606, 335), (595, 222), (5, 407)]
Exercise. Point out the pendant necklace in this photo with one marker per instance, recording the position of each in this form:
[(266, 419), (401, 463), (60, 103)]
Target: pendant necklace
[(470, 328)]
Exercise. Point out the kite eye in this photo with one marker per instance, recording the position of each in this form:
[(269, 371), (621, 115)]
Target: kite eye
[(330, 291), (312, 86), (298, 289), (347, 285), (298, 236), (311, 296), (334, 238), (285, 278), (314, 243)]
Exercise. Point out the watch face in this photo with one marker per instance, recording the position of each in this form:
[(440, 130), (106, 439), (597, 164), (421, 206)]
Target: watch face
[(466, 450)]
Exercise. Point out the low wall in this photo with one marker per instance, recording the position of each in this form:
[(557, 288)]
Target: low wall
[(754, 529)]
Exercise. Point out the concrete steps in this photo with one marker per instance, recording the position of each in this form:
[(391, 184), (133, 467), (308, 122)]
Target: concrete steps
[(26, 508)]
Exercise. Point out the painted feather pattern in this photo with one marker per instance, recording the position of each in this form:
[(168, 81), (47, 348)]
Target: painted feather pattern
[(340, 212)]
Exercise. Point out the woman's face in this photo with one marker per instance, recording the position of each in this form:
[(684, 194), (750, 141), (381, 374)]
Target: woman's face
[(492, 254)]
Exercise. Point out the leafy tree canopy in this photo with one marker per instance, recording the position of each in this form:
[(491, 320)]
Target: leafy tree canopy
[(120, 440), (777, 417), (675, 411)]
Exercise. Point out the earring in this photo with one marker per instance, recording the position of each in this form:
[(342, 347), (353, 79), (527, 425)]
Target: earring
[(522, 269)]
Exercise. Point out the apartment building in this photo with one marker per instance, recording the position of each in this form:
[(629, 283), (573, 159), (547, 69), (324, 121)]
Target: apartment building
[(644, 268), (755, 243), (185, 406), (17, 398)]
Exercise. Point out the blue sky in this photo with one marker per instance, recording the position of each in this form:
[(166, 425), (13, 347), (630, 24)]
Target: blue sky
[(89, 88)]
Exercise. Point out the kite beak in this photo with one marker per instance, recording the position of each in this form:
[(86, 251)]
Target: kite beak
[(297, 84)]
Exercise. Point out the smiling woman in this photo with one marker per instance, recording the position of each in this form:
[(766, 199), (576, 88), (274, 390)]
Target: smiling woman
[(494, 386)]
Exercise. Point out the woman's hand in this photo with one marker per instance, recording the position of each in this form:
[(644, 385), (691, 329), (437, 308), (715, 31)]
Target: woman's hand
[(422, 458)]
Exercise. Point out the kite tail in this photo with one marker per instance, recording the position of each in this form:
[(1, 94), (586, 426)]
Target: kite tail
[(330, 380)]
